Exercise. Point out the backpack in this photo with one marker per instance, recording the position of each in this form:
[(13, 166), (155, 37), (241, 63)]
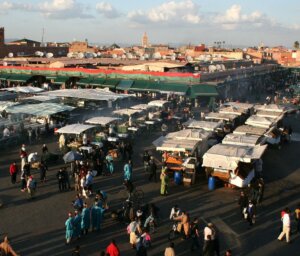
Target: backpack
[(146, 242)]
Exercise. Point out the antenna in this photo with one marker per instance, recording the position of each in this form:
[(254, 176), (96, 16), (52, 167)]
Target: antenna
[(43, 33)]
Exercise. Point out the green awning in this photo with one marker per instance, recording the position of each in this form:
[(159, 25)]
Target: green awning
[(111, 83), (124, 85), (202, 90), (148, 86), (60, 79), (19, 78), (4, 76), (85, 81), (173, 88), (97, 81)]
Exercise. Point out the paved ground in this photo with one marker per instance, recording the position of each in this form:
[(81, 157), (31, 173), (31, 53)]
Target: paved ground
[(36, 227)]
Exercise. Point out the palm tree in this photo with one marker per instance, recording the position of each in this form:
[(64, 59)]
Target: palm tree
[(296, 45)]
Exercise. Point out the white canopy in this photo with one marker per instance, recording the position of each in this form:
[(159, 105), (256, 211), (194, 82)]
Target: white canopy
[(248, 129), (271, 107), (5, 104), (271, 114), (189, 134), (232, 110), (140, 106), (220, 116), (205, 125), (157, 103), (241, 140), (127, 111), (226, 157), (259, 121), (75, 128), (24, 89), (101, 120), (88, 94), (41, 109), (239, 105), (41, 98)]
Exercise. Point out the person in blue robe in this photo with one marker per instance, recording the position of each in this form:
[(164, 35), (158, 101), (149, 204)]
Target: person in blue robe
[(77, 225), (69, 228), (86, 219)]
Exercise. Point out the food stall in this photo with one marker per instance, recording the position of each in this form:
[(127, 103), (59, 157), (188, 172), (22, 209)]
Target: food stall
[(248, 129), (243, 140), (205, 125), (264, 122), (182, 150), (233, 164)]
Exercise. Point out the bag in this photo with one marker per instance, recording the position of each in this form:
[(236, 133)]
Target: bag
[(245, 215), (128, 229)]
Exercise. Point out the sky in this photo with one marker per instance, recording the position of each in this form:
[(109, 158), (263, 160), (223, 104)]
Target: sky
[(235, 22)]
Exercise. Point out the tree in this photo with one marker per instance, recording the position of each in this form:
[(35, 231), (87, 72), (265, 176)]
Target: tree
[(296, 45)]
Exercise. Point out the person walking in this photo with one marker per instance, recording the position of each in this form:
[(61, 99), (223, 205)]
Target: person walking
[(13, 170), (297, 217), (86, 219), (31, 186), (164, 182), (69, 228), (23, 180), (112, 249), (96, 217), (286, 226), (77, 225), (243, 202), (195, 234), (43, 171), (109, 164), (23, 156), (250, 213), (128, 171), (261, 189), (61, 180), (146, 159), (152, 169), (185, 223), (169, 251)]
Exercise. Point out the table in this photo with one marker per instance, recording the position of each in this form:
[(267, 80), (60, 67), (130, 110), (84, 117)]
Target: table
[(89, 149)]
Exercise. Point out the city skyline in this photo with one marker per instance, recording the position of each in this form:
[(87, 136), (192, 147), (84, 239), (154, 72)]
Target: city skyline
[(181, 22)]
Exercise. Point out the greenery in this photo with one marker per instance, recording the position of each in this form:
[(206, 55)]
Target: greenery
[(296, 45)]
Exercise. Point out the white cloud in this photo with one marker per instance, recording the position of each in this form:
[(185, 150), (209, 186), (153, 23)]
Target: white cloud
[(107, 10), (5, 6), (62, 9), (233, 17), (170, 12)]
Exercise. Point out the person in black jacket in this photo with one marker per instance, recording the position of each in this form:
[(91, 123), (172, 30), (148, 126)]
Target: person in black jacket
[(61, 180), (152, 169), (243, 203)]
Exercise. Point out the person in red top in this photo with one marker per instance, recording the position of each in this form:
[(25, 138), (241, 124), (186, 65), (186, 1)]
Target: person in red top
[(112, 249), (13, 170)]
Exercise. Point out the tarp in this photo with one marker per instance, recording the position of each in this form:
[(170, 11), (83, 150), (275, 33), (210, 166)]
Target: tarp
[(226, 157), (239, 105), (157, 103), (41, 109), (172, 88), (241, 140), (41, 98), (127, 111), (88, 94), (140, 106), (19, 77), (111, 83), (5, 104), (23, 89), (271, 114), (189, 134), (259, 121), (97, 81), (4, 76), (270, 107), (247, 129), (60, 79), (75, 128), (202, 90), (101, 120), (124, 85), (220, 116), (205, 125), (232, 110)]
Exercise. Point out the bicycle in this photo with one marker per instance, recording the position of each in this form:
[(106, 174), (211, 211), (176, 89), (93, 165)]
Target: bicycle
[(173, 233), (136, 197)]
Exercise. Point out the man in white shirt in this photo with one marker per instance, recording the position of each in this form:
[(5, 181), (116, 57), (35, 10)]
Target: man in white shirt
[(6, 132), (208, 232), (286, 226)]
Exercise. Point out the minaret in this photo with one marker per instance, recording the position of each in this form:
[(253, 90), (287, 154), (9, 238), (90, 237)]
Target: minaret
[(145, 41), (2, 38)]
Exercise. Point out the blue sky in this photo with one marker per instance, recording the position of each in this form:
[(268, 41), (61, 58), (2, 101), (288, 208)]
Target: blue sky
[(237, 22)]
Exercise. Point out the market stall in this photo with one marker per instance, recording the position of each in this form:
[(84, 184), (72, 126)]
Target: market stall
[(251, 130), (205, 125), (243, 140), (264, 122), (232, 163)]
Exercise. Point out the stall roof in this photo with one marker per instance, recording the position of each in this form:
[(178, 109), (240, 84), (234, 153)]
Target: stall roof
[(101, 120), (41, 109), (87, 94), (127, 111), (172, 88), (41, 98), (239, 105), (205, 125), (19, 77), (4, 76), (220, 116), (5, 104), (75, 128), (247, 129), (202, 90), (271, 107), (23, 89), (140, 106), (60, 79), (189, 134), (232, 110), (271, 114), (157, 103), (259, 121), (222, 156), (124, 85), (241, 140)]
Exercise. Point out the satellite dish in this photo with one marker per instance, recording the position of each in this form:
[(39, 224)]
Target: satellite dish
[(146, 56), (99, 54), (123, 57), (173, 58), (189, 58), (248, 57), (142, 58), (49, 55), (4, 63), (88, 55), (156, 56), (212, 68), (70, 55), (164, 57), (129, 56), (114, 56), (10, 55), (94, 55), (38, 53), (80, 55)]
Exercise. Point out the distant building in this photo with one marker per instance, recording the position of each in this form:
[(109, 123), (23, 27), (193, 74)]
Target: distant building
[(25, 42), (2, 37), (145, 40), (80, 47)]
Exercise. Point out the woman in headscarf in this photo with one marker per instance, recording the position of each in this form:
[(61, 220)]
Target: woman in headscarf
[(164, 181)]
